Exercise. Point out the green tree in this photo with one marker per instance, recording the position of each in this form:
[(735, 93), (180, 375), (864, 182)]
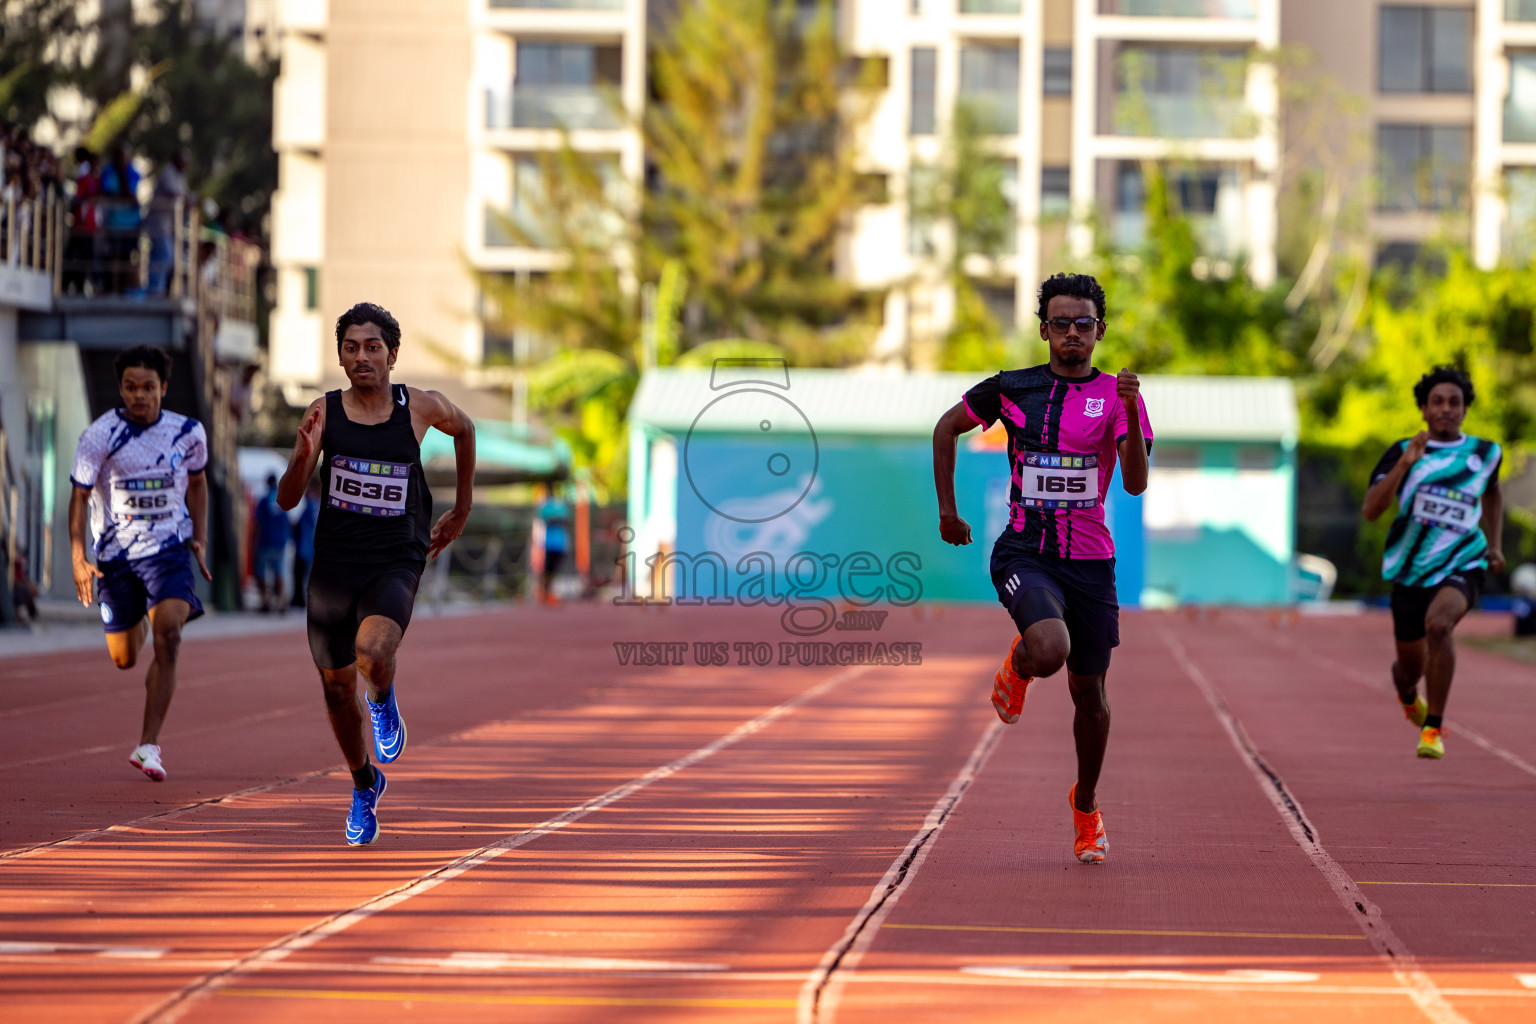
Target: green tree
[(748, 132), (39, 48)]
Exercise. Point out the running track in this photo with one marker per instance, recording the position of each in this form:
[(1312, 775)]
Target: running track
[(569, 840)]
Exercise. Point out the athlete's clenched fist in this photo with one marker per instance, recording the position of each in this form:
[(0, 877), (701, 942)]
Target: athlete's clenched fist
[(1127, 387)]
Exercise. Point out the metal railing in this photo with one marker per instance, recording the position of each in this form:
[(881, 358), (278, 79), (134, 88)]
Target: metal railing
[(32, 233), (113, 249)]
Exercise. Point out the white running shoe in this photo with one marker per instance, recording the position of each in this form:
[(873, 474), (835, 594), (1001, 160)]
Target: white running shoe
[(146, 758)]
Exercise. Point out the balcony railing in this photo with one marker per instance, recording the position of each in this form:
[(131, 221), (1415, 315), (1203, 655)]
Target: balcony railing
[(572, 107), (1182, 117), (1245, 10), (32, 233)]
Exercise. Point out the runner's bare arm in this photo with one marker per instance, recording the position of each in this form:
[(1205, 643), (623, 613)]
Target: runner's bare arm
[(1133, 448), (197, 508), (1493, 524), (306, 454), (436, 411), (946, 435), (84, 571), (1379, 498)]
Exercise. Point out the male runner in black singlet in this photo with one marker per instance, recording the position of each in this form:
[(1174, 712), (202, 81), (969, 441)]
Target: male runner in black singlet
[(372, 538)]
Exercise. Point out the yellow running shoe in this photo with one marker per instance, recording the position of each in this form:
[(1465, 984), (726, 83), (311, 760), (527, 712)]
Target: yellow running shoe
[(1416, 711), (1432, 743), (1092, 843), (1008, 688)]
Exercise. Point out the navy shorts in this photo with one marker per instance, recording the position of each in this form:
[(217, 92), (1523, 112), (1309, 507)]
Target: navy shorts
[(1411, 604), (1080, 591), (342, 595), (128, 589)]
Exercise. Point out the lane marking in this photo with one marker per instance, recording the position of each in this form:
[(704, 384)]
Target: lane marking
[(222, 726), (172, 1007), (1456, 727), (1420, 986), (1242, 976), (1393, 991), (494, 1000), (1479, 885), (819, 994), (472, 961), (11, 948), (1528, 980), (1126, 931)]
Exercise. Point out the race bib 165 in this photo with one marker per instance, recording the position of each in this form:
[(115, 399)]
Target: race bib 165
[(1058, 481)]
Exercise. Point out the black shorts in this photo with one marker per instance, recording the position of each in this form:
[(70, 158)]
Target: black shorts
[(342, 594), (1080, 591), (1411, 604)]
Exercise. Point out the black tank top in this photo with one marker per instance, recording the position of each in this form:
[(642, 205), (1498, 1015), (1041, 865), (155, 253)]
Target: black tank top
[(376, 505)]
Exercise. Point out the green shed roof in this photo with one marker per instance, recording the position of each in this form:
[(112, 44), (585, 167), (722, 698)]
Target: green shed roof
[(504, 452), (880, 403)]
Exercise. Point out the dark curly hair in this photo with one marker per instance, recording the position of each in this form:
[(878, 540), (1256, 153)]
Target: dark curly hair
[(147, 357), (1077, 286), (368, 313), (1443, 375)]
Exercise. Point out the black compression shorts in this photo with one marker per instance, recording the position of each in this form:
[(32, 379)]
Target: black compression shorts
[(1411, 604), (1080, 591), (342, 594)]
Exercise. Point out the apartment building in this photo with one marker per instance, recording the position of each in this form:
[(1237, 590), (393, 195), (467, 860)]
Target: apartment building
[(410, 130), (406, 130)]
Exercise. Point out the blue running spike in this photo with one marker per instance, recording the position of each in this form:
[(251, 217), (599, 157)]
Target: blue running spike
[(388, 729), (363, 818)]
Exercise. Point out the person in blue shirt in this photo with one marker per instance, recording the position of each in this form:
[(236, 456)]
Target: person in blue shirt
[(272, 529), (304, 542), (555, 515)]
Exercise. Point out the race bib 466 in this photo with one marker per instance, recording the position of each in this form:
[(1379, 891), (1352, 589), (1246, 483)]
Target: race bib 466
[(1058, 481), (143, 497), (371, 488)]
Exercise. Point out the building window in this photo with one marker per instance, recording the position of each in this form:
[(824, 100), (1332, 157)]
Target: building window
[(989, 81), (564, 85), (990, 6), (1058, 71), (925, 65), (1423, 167), (922, 184), (1425, 49), (1002, 301), (1520, 10), (1210, 195), (1520, 104), (1246, 10), (311, 288), (1055, 191), (1179, 92)]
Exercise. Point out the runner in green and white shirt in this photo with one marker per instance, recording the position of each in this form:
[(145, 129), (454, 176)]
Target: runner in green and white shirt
[(1448, 531)]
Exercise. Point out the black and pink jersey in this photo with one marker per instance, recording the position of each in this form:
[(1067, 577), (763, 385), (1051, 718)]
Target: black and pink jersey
[(1063, 436)]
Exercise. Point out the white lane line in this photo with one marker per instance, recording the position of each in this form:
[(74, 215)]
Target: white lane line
[(10, 948), (1240, 976), (492, 961), (1071, 980), (1455, 726), (171, 1008), (1421, 988), (1528, 980), (820, 993), (221, 726)]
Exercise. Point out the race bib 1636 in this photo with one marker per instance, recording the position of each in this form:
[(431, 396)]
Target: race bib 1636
[(371, 488)]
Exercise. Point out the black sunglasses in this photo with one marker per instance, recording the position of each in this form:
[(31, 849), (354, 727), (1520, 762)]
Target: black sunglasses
[(1060, 324)]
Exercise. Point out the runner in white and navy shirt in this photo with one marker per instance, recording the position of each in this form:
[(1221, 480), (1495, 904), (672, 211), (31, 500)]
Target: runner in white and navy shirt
[(138, 475)]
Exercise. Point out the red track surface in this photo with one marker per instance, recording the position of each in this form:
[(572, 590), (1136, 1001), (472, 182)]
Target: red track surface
[(876, 850)]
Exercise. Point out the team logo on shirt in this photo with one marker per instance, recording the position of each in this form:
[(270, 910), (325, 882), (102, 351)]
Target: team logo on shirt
[(1475, 462), (1094, 407)]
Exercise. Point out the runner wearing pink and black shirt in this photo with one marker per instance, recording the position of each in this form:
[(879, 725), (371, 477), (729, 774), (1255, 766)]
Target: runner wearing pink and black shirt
[(1054, 565)]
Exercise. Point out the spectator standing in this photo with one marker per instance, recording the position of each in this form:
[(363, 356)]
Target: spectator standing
[(272, 529), (556, 516), (164, 206), (121, 219), (304, 542)]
